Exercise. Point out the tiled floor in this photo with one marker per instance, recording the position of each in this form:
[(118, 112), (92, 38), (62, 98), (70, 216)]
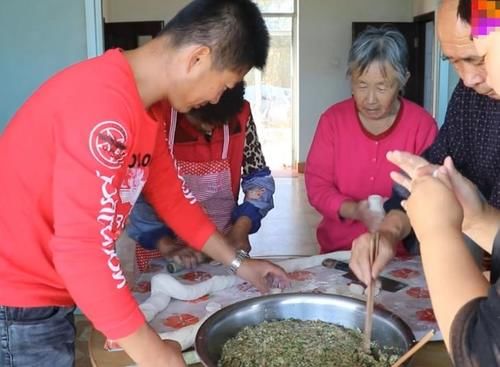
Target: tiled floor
[(288, 229)]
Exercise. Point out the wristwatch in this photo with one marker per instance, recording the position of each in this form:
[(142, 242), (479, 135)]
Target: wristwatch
[(236, 263)]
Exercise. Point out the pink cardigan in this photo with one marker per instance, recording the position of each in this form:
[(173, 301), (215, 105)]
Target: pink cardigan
[(346, 162)]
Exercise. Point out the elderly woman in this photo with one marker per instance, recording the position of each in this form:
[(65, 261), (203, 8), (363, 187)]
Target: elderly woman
[(346, 162)]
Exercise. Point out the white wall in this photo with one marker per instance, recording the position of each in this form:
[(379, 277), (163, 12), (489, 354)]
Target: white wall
[(324, 42), (143, 10), (424, 6), (35, 42)]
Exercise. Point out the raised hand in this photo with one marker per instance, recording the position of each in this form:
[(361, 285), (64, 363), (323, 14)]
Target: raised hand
[(412, 165), (432, 205), (467, 194)]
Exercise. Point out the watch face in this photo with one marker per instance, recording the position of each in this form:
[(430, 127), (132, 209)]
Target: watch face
[(236, 263), (242, 254)]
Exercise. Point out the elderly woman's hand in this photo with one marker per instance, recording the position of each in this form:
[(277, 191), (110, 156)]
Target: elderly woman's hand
[(368, 217), (360, 256)]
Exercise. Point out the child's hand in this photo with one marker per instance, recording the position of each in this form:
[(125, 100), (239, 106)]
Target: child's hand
[(238, 234), (181, 254)]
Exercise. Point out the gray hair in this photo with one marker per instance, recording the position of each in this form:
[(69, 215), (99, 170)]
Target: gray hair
[(385, 45)]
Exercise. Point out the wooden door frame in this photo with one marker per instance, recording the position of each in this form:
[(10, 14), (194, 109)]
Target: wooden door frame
[(420, 22)]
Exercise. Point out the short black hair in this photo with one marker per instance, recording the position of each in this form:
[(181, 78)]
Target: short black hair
[(234, 30), (229, 105), (464, 10)]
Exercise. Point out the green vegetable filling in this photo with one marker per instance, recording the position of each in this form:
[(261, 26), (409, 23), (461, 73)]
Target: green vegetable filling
[(297, 343)]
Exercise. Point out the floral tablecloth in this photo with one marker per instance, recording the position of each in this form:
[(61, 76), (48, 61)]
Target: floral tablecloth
[(412, 303)]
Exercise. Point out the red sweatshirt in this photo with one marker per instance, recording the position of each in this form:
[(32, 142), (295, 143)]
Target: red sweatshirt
[(76, 156), (346, 162)]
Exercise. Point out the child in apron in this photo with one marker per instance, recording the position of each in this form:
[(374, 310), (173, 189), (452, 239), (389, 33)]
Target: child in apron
[(210, 156)]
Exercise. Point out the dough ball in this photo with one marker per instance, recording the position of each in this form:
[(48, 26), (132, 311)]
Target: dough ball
[(357, 289), (213, 307), (329, 263), (376, 289)]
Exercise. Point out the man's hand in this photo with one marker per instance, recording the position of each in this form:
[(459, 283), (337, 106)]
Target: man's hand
[(263, 275), (146, 348), (360, 256)]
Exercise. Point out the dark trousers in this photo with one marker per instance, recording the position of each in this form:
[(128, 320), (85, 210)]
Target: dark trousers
[(37, 336)]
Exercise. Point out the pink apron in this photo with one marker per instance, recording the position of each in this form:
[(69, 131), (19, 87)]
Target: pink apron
[(210, 183)]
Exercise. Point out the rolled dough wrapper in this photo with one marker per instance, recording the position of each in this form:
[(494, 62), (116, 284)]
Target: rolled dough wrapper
[(164, 287)]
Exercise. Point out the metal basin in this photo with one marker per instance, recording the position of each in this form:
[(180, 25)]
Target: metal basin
[(388, 329)]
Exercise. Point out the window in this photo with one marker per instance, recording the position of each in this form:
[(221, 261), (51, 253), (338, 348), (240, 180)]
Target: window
[(271, 92), (276, 6)]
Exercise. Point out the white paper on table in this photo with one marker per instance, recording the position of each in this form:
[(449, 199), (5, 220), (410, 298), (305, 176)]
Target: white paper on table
[(319, 279)]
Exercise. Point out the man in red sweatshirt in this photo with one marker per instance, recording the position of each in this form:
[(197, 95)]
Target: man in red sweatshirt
[(75, 158)]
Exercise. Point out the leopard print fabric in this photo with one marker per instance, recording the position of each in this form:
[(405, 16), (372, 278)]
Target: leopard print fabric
[(253, 158)]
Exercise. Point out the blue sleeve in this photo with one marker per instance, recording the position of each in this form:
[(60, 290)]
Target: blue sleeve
[(258, 188), (144, 226), (400, 193)]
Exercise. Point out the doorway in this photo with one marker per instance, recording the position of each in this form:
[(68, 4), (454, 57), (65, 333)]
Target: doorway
[(130, 35), (426, 51), (420, 37), (271, 92)]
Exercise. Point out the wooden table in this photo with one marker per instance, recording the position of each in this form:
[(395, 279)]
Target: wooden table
[(432, 354)]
